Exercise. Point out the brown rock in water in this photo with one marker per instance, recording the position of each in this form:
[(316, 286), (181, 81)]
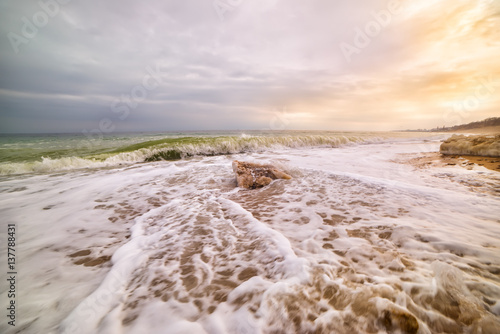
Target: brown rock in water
[(250, 175), (396, 320), (262, 181)]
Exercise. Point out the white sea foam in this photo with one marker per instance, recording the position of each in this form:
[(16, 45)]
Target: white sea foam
[(355, 242), (177, 148)]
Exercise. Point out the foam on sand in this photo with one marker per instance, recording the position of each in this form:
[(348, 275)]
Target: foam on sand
[(353, 243)]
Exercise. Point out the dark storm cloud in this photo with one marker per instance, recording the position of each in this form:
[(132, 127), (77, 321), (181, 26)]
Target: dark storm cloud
[(167, 65)]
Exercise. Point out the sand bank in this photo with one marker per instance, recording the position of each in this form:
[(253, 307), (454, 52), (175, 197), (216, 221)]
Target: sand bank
[(435, 159)]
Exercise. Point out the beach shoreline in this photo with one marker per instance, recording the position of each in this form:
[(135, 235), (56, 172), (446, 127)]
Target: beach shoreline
[(436, 159), (178, 246)]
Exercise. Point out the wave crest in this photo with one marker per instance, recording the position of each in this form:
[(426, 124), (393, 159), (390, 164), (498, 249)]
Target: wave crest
[(180, 148)]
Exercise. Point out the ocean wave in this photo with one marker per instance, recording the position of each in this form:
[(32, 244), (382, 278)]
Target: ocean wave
[(180, 148), (244, 144), (47, 165)]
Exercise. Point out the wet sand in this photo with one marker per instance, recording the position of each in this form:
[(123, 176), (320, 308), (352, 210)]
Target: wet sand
[(434, 159), (348, 245)]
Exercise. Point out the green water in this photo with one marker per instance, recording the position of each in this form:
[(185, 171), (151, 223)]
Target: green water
[(27, 148), (21, 154)]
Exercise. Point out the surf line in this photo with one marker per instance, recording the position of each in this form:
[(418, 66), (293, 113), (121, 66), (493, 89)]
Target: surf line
[(122, 106)]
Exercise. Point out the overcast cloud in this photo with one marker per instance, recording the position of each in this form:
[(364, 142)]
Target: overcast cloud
[(67, 65)]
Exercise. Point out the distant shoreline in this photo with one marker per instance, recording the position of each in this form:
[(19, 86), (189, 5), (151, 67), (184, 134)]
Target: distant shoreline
[(486, 130), (436, 159)]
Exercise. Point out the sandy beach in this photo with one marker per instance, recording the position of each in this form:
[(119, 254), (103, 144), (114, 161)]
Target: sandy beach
[(358, 240), (436, 159), (250, 167)]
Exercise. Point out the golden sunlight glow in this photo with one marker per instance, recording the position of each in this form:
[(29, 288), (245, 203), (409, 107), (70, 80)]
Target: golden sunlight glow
[(446, 70)]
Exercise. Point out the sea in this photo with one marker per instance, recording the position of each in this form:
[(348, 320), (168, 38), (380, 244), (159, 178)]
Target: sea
[(149, 233)]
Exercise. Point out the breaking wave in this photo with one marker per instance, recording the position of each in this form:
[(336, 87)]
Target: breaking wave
[(180, 148)]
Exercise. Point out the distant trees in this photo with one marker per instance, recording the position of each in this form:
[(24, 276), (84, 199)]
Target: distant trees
[(492, 121)]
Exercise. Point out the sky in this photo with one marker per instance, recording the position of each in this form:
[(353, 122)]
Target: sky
[(164, 65)]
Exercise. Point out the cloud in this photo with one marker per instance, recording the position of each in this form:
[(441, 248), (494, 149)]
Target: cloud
[(414, 65)]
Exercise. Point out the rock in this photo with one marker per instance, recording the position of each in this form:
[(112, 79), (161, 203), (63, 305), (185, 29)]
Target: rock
[(250, 175), (262, 181), (472, 145), (403, 322)]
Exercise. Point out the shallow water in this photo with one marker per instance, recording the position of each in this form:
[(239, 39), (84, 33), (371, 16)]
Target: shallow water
[(356, 242), (21, 154)]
